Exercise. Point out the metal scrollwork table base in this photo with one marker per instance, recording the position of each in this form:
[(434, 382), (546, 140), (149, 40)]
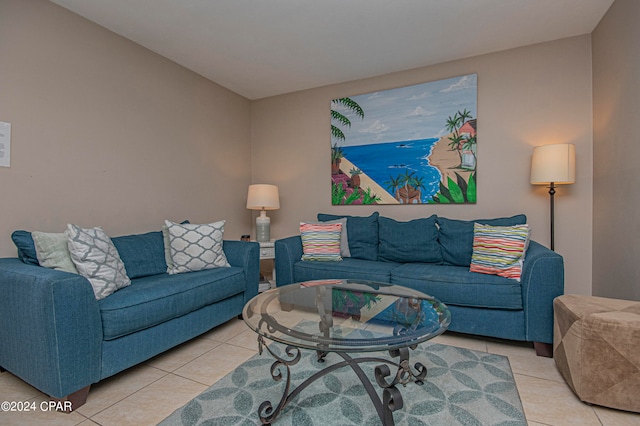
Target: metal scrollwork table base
[(410, 318), (391, 397)]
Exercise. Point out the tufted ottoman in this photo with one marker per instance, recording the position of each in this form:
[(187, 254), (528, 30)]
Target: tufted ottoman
[(597, 349)]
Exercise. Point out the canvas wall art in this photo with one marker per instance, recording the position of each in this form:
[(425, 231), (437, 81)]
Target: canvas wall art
[(410, 145)]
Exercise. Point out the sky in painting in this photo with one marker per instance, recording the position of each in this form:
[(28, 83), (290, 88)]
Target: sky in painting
[(409, 113)]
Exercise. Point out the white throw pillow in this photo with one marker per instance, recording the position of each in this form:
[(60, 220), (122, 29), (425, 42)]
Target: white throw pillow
[(195, 247), (52, 251), (167, 247), (96, 259)]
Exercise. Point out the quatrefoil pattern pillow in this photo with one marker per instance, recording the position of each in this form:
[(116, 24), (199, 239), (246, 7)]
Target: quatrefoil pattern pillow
[(196, 247), (96, 259)]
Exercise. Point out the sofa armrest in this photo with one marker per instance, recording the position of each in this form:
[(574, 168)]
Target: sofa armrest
[(288, 252), (50, 328), (245, 255), (542, 281)]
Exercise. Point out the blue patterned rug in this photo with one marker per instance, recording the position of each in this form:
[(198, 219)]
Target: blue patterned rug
[(462, 387)]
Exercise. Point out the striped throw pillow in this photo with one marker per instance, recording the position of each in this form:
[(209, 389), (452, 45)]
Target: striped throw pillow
[(321, 241), (499, 250)]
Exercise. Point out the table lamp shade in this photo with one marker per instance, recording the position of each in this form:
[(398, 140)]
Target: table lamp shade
[(263, 197), (553, 163)]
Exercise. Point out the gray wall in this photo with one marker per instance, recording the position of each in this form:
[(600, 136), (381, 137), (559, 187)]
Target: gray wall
[(616, 153), (529, 96), (107, 133)]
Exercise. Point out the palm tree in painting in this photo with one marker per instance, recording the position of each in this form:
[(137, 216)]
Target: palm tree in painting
[(455, 144), (464, 116), (418, 183), (456, 139), (469, 143), (341, 119), (393, 184), (452, 123), (406, 188)]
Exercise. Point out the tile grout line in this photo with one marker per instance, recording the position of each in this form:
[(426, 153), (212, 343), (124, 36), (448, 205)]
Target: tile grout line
[(131, 394)]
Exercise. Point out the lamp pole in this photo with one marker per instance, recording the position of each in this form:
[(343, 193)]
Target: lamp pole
[(552, 191)]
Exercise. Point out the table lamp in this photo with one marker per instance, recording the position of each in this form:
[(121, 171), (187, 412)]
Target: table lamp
[(553, 165), (263, 197)]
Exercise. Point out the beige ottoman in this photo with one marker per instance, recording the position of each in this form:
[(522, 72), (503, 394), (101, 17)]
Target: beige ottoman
[(597, 349)]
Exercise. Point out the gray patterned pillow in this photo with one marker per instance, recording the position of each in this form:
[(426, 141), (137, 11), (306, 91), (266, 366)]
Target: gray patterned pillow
[(96, 259), (196, 247)]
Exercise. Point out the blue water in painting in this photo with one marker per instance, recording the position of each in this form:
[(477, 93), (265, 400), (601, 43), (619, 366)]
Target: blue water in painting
[(392, 159)]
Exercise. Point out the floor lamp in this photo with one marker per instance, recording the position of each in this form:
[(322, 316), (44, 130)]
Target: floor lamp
[(553, 165)]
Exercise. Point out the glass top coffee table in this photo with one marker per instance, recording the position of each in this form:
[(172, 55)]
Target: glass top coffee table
[(346, 317)]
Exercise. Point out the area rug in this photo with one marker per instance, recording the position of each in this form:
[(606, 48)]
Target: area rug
[(462, 387)]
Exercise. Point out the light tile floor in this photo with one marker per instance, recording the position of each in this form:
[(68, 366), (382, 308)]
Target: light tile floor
[(147, 393)]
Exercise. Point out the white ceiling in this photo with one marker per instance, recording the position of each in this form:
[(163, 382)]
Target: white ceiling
[(261, 48)]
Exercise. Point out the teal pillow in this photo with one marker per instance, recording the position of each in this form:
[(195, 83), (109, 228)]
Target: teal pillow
[(412, 241), (142, 254), (26, 247), (456, 236), (362, 234)]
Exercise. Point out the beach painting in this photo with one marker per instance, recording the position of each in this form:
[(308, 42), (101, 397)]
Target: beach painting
[(410, 145)]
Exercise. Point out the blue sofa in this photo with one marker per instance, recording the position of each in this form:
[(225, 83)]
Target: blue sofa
[(433, 255), (57, 337)]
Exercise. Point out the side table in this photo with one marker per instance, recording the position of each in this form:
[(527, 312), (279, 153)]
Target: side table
[(267, 252)]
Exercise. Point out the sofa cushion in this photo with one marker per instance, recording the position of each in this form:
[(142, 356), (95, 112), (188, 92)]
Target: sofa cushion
[(348, 268), (26, 248), (321, 241), (53, 251), (456, 236), (142, 254), (362, 233), (97, 259), (344, 238), (167, 246), (412, 241), (455, 285), (499, 250), (152, 300), (195, 247)]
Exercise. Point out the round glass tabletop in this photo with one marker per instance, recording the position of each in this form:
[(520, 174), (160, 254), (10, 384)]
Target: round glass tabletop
[(346, 315)]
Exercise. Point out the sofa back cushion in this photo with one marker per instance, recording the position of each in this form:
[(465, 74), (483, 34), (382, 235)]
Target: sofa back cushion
[(412, 241), (362, 233), (26, 247), (142, 254), (456, 236)]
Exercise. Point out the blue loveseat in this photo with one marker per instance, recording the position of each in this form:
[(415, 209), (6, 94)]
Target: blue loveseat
[(57, 337), (433, 255)]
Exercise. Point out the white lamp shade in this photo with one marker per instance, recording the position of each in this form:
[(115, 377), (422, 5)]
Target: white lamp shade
[(553, 163), (263, 197)]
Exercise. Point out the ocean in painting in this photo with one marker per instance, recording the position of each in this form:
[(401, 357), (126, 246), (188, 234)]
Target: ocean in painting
[(383, 161)]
